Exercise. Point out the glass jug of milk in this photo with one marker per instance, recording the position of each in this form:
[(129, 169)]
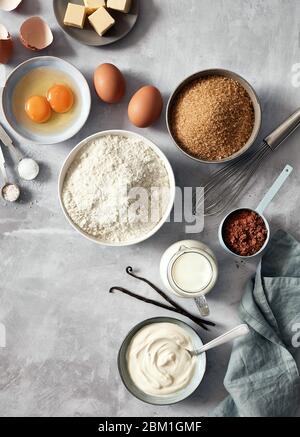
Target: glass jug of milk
[(189, 269)]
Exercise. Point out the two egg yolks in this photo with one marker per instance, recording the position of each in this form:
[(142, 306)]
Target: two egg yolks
[(60, 99)]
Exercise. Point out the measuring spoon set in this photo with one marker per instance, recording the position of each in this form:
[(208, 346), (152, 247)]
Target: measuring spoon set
[(28, 169)]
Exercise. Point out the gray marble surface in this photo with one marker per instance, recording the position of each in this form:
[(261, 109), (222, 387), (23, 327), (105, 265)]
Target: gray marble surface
[(63, 327)]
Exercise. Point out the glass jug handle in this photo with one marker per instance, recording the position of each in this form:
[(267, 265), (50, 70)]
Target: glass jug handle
[(202, 305)]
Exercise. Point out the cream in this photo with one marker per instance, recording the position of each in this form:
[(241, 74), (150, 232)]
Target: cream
[(158, 360)]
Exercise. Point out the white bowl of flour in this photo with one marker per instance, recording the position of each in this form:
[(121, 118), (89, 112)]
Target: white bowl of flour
[(116, 188)]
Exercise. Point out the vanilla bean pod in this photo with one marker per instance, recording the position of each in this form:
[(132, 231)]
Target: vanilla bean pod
[(174, 306), (177, 310), (129, 271)]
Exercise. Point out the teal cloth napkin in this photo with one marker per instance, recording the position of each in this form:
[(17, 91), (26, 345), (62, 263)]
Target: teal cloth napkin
[(262, 378)]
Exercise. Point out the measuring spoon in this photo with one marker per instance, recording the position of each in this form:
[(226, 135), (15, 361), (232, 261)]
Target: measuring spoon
[(7, 141), (267, 199), (238, 331), (10, 192)]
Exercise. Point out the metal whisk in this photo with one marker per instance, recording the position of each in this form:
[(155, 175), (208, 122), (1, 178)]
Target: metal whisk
[(226, 184)]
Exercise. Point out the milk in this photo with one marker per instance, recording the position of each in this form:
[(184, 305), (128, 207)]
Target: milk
[(192, 272), (189, 268)]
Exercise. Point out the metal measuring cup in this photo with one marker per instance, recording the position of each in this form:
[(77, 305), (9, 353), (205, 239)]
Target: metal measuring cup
[(267, 199)]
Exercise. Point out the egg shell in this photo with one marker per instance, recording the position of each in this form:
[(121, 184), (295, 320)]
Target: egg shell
[(9, 5), (109, 83), (145, 106), (35, 34), (6, 45)]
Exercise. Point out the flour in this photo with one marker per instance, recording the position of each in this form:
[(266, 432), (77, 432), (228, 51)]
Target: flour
[(117, 189)]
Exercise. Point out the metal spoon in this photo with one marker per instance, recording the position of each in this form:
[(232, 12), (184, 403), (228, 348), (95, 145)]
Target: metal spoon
[(10, 192), (7, 141), (238, 331)]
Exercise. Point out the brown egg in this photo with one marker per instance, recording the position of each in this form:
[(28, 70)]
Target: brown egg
[(109, 83), (6, 45), (145, 106)]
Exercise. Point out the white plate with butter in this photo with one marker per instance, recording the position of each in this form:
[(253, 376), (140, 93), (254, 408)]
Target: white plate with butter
[(124, 22)]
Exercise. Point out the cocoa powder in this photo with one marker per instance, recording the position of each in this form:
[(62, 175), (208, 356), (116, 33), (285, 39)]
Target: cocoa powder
[(244, 232)]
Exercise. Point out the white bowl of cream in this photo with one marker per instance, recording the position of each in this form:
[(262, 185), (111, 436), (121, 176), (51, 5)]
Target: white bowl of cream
[(155, 365)]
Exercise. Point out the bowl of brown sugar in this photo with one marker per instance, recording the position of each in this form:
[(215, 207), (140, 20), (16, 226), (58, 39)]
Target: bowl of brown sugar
[(214, 116)]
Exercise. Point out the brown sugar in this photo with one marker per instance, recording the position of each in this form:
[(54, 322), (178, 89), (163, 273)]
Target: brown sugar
[(212, 118)]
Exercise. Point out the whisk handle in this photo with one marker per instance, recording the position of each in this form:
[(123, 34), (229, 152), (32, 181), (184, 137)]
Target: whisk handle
[(284, 130)]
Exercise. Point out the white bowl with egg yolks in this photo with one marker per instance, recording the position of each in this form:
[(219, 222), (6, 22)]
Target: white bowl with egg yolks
[(40, 133)]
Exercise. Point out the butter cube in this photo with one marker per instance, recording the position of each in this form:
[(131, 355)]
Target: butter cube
[(119, 5), (101, 21), (92, 5), (75, 15)]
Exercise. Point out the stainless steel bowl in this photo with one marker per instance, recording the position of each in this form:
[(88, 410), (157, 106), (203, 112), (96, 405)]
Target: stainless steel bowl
[(245, 85), (165, 399)]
